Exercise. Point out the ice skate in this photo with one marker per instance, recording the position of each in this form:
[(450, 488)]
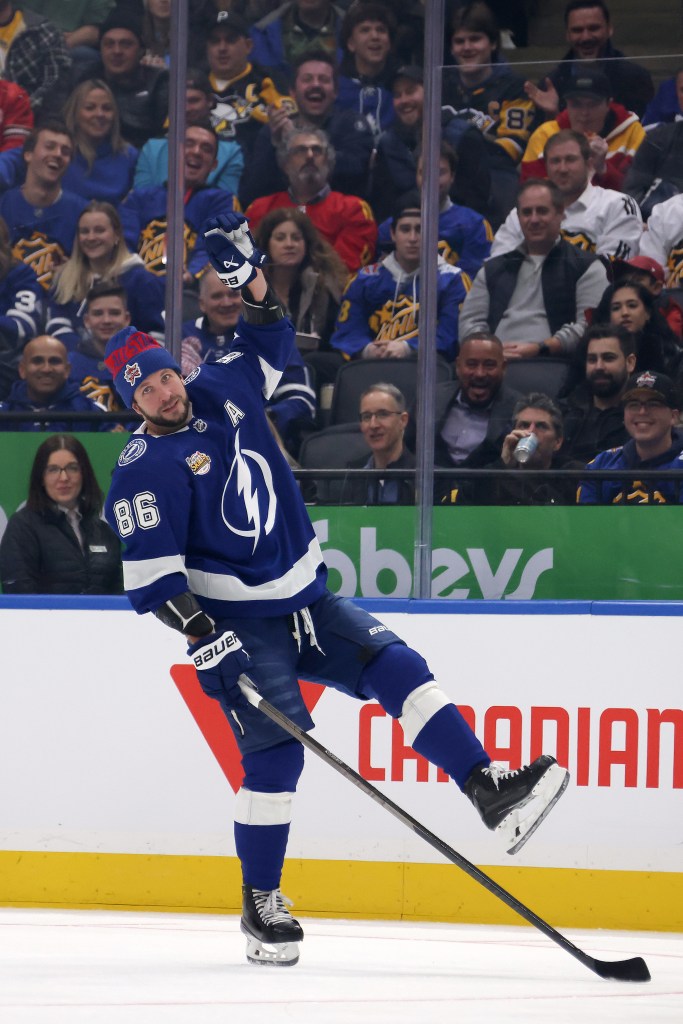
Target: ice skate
[(273, 935), (514, 803)]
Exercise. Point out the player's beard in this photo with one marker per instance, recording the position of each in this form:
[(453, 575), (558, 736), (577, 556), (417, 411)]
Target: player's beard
[(177, 419)]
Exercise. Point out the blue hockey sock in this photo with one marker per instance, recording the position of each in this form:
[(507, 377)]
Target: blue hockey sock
[(447, 741), (399, 678), (263, 812), (261, 850)]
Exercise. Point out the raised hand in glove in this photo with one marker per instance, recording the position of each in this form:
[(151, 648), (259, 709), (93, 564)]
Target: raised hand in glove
[(220, 660), (232, 250)]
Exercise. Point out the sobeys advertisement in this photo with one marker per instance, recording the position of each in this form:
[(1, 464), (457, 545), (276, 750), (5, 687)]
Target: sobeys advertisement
[(511, 552)]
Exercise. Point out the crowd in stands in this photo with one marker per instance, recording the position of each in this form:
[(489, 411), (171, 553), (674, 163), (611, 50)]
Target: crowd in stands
[(560, 223)]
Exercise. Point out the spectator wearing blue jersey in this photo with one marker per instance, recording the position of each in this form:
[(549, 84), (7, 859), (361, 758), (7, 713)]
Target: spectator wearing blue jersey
[(41, 215), (100, 254), (465, 236), (652, 405), (143, 212), (368, 64), (45, 386), (667, 104), (21, 309), (152, 166), (220, 547), (105, 311), (379, 315)]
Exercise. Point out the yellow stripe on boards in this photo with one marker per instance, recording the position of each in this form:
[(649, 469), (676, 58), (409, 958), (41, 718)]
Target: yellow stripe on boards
[(564, 897)]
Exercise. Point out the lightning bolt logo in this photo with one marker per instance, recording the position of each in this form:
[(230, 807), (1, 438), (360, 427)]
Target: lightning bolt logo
[(242, 479)]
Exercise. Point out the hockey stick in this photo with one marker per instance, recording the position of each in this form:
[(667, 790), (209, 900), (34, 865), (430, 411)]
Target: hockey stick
[(634, 969)]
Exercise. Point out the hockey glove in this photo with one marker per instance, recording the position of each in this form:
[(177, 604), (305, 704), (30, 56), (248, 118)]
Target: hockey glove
[(220, 660), (232, 251)]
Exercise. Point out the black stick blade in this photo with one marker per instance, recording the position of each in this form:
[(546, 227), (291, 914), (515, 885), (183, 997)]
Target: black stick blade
[(623, 970)]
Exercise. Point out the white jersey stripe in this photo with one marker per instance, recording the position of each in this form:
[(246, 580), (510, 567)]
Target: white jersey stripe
[(223, 587), (146, 571)]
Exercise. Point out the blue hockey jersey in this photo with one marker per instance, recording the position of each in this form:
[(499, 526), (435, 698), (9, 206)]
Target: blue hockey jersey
[(41, 237), (68, 399), (465, 238), (21, 305), (214, 507), (293, 403), (145, 294), (143, 216), (383, 302)]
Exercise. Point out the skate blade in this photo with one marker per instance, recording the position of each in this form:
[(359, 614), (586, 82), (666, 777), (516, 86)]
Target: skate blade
[(270, 954), (520, 824)]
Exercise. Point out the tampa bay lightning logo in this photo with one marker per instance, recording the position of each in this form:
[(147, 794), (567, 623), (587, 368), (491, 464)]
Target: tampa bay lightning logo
[(192, 375), (249, 500), (133, 450)]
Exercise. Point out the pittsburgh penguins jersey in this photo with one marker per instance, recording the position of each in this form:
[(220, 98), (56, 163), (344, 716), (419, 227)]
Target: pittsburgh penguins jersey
[(383, 303), (601, 220), (498, 107), (143, 216), (214, 508), (241, 104), (41, 237), (663, 239), (464, 238)]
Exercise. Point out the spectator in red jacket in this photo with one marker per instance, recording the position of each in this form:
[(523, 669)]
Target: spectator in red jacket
[(345, 221)]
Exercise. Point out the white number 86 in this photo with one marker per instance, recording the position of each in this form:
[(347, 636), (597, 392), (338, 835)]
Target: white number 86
[(144, 513)]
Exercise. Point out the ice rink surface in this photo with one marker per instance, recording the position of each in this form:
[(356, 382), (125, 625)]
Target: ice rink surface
[(97, 967)]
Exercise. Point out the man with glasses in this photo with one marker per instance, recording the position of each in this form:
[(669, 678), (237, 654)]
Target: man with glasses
[(383, 420), (345, 221), (651, 416), (44, 385)]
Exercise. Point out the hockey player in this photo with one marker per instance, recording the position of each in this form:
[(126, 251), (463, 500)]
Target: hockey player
[(219, 546)]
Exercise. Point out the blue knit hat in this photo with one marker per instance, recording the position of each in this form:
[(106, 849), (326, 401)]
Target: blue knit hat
[(130, 356)]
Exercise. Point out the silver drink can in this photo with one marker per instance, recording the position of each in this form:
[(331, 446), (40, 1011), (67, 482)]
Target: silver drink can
[(525, 448)]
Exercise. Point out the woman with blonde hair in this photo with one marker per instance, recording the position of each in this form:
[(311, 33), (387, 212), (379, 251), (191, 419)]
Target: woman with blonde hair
[(103, 164), (100, 254)]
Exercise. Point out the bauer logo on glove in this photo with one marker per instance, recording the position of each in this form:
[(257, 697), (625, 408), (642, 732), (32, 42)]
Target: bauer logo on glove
[(214, 651), (232, 250)]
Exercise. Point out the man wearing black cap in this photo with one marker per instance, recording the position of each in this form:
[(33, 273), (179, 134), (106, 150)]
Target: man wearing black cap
[(243, 89), (651, 416), (140, 91), (589, 31), (614, 133)]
